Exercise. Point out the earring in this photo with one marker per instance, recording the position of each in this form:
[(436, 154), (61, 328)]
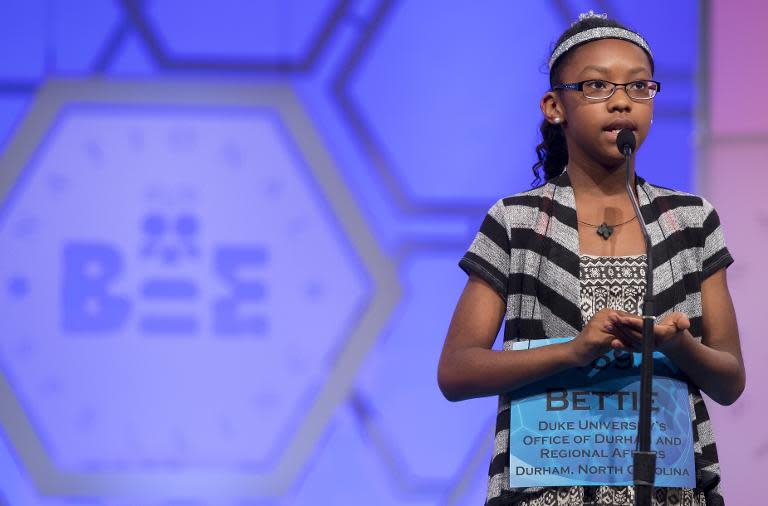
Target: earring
[(556, 120)]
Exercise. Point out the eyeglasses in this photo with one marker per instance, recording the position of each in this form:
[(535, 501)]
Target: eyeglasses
[(600, 89)]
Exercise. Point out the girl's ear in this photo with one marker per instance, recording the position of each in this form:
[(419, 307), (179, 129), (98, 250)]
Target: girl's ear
[(552, 109)]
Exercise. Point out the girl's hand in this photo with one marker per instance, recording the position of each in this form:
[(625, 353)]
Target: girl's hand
[(598, 337), (668, 332)]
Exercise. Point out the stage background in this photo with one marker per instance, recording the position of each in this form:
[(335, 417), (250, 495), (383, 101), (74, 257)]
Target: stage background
[(229, 233)]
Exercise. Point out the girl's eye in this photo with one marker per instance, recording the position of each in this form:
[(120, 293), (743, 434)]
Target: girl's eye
[(595, 85), (639, 85)]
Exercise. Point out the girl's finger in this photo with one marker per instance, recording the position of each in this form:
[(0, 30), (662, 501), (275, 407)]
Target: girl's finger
[(664, 331), (635, 335), (626, 335), (617, 344), (633, 322)]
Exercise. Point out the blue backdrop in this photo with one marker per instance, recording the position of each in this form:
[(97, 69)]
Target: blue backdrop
[(229, 233)]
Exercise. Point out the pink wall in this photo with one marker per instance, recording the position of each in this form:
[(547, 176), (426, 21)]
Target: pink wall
[(734, 178)]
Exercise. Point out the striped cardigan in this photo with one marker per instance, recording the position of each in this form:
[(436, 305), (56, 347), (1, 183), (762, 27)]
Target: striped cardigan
[(528, 250)]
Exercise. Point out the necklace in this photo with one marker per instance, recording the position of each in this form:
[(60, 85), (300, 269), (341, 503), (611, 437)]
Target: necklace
[(605, 230)]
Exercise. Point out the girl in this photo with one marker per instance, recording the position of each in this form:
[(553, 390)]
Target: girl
[(541, 258)]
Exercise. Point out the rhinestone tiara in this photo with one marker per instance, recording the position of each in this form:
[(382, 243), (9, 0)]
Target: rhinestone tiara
[(607, 32), (589, 15)]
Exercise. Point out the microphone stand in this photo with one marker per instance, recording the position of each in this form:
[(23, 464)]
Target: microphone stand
[(643, 459)]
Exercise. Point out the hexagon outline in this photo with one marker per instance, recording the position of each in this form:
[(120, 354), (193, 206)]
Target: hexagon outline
[(305, 173), (371, 145), (386, 291), (134, 9), (391, 456)]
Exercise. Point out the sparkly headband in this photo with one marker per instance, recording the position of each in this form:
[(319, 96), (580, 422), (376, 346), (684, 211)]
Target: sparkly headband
[(607, 32)]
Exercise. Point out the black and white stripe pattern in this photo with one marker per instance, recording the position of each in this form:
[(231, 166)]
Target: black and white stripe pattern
[(528, 250)]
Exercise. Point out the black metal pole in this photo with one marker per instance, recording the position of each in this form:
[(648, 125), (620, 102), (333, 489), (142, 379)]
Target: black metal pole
[(643, 459)]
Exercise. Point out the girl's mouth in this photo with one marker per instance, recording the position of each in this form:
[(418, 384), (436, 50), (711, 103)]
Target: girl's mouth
[(612, 133)]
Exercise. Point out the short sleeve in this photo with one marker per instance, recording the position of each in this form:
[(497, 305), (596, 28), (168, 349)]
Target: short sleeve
[(716, 255), (488, 255)]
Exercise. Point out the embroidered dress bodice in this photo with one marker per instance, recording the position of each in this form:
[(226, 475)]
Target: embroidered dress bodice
[(612, 282)]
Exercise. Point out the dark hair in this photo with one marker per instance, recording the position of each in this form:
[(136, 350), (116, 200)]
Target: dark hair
[(552, 152)]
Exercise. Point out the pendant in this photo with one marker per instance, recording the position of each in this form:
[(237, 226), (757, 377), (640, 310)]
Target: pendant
[(605, 230)]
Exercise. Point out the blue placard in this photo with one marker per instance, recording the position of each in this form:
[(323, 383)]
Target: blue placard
[(579, 427)]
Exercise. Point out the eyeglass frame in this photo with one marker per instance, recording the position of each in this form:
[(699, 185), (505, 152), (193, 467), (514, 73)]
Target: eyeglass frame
[(579, 86)]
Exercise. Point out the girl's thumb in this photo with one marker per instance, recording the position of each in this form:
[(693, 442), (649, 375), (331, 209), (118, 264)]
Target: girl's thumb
[(681, 321)]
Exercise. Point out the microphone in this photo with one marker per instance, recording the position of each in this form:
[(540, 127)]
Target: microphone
[(626, 142), (643, 458)]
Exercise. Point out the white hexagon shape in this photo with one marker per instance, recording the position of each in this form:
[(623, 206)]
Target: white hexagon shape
[(154, 266)]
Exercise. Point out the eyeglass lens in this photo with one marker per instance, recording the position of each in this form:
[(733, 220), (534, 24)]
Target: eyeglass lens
[(641, 90)]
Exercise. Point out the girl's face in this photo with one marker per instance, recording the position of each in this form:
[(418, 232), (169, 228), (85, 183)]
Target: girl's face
[(590, 125)]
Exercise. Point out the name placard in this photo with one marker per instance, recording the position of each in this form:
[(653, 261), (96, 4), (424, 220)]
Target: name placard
[(579, 427)]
